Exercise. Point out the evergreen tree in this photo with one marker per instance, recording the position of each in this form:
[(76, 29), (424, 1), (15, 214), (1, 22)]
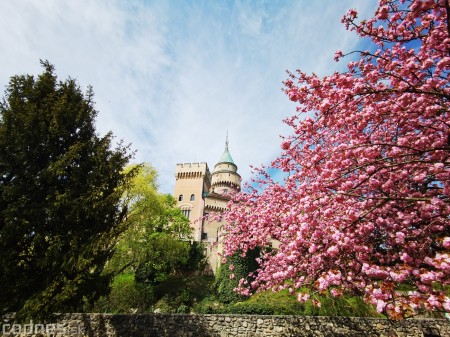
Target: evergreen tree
[(60, 196)]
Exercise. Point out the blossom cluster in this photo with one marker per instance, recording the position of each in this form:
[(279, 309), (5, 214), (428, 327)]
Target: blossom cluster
[(365, 206)]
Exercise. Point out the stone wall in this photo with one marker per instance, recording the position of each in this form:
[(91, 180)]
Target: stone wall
[(173, 325)]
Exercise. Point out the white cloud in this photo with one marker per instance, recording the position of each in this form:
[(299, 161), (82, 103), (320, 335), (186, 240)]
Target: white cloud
[(172, 77)]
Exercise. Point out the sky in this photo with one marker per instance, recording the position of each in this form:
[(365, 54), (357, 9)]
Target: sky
[(173, 77)]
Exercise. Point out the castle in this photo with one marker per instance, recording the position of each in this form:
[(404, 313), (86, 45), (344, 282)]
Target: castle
[(199, 192)]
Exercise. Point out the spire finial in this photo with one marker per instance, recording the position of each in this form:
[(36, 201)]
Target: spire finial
[(226, 142)]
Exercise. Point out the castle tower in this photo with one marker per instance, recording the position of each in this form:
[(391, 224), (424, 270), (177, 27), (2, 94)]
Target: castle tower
[(225, 178), (224, 181), (193, 181)]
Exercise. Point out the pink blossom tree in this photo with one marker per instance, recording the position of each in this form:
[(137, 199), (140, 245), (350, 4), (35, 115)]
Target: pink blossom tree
[(365, 207)]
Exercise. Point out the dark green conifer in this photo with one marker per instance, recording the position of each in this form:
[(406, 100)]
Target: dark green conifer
[(60, 196)]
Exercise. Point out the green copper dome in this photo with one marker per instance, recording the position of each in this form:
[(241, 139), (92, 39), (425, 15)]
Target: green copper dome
[(226, 157)]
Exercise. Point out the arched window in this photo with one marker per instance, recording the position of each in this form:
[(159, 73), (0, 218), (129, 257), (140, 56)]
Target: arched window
[(180, 197), (192, 197)]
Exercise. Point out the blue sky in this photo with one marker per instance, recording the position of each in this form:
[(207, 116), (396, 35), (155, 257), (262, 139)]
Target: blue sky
[(171, 77)]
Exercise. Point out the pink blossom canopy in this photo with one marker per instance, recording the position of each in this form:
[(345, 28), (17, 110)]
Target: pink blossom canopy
[(365, 206)]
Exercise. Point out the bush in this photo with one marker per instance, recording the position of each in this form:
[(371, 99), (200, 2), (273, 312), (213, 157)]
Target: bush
[(179, 291), (126, 296), (282, 303), (245, 308), (279, 303)]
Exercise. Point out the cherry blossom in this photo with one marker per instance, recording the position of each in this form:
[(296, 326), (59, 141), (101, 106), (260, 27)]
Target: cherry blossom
[(364, 207)]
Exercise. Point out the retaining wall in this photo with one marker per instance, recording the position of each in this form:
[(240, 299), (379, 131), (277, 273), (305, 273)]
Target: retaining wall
[(178, 325)]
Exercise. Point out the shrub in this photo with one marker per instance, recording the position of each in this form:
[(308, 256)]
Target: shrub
[(242, 267), (126, 296)]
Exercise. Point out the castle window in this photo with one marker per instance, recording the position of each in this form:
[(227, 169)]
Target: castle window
[(180, 197), (186, 212), (192, 197)]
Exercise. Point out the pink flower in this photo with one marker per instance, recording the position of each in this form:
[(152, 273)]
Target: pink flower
[(446, 242), (316, 303), (333, 251), (285, 145), (302, 297), (381, 305), (337, 55)]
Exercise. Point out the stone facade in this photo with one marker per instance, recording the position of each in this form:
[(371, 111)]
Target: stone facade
[(177, 325), (193, 181)]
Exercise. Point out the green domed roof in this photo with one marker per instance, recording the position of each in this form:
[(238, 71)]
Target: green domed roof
[(226, 157)]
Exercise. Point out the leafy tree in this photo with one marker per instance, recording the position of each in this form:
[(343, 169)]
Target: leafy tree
[(60, 196), (365, 205), (157, 239)]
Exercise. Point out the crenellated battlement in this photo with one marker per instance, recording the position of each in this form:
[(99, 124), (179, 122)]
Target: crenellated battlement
[(191, 165)]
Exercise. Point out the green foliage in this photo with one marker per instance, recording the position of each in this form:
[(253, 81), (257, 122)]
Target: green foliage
[(266, 303), (340, 306), (282, 303), (196, 261), (271, 303), (244, 308), (125, 297), (185, 294), (155, 241), (163, 257), (228, 280), (60, 196), (175, 294), (183, 309), (169, 256), (178, 292), (155, 245)]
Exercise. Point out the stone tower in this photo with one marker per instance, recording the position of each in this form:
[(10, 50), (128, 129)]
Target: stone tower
[(193, 181), (199, 193)]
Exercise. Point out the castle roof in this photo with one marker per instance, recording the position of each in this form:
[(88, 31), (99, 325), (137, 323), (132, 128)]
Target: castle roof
[(226, 156)]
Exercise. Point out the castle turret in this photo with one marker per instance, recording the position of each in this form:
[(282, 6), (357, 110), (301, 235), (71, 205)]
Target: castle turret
[(225, 178)]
